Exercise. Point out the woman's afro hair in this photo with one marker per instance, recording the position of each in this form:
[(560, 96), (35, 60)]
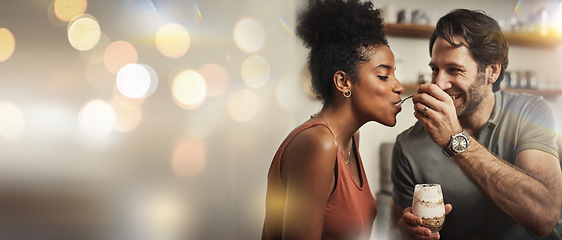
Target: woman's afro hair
[(338, 32)]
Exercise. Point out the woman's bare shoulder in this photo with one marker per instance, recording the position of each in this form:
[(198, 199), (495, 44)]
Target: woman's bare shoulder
[(313, 148)]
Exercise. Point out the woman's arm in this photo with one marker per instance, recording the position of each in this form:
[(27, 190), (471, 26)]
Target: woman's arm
[(308, 172)]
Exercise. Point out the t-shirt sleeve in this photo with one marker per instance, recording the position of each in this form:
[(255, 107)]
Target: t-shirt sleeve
[(402, 177), (538, 130)]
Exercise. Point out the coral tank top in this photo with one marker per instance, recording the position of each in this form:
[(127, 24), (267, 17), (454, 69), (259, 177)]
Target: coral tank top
[(351, 208)]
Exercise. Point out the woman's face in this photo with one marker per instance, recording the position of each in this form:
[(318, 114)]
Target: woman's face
[(377, 91)]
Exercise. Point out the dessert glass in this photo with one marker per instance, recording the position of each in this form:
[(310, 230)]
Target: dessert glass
[(429, 205)]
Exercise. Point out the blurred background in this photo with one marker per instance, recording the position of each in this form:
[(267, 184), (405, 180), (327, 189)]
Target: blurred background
[(157, 120)]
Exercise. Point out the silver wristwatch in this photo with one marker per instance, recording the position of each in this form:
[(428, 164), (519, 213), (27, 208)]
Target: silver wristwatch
[(458, 144)]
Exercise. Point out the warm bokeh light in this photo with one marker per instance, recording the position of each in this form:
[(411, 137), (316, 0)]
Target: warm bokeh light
[(96, 118), (95, 54), (157, 214), (188, 158), (117, 95), (243, 105), (189, 89), (137, 80), (128, 114), (7, 44), (84, 33), (255, 71), (172, 40), (557, 21), (118, 54), (66, 10), (99, 77), (12, 121), (217, 78), (201, 122), (249, 35)]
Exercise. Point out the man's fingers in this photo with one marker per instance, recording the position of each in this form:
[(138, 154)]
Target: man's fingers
[(410, 218), (424, 231), (448, 208)]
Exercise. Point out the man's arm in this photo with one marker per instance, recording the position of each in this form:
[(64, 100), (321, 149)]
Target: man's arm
[(530, 192)]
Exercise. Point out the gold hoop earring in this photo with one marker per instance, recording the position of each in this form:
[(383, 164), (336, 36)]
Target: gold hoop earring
[(347, 93)]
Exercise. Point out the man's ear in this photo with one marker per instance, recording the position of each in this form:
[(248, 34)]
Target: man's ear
[(341, 81), (493, 72)]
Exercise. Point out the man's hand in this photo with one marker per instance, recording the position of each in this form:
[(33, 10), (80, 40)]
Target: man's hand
[(437, 113), (411, 225)]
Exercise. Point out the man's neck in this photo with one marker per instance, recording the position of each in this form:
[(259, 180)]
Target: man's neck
[(474, 122)]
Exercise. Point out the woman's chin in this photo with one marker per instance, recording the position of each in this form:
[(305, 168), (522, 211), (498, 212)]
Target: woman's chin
[(390, 123)]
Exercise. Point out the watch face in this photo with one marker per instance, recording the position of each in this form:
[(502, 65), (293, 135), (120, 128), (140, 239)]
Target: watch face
[(459, 143)]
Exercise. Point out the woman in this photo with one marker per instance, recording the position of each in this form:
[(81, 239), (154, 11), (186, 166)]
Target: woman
[(317, 187)]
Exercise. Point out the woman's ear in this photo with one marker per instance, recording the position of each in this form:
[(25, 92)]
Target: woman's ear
[(493, 72), (341, 81)]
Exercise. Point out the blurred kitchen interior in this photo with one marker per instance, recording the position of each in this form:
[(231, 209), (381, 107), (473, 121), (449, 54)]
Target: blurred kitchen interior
[(157, 120)]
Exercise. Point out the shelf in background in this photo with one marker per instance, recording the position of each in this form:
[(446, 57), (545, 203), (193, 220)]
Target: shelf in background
[(519, 39), (412, 87), (408, 30)]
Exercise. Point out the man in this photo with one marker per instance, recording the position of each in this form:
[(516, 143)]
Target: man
[(494, 153)]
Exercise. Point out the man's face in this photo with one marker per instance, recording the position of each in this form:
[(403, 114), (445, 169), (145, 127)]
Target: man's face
[(455, 72)]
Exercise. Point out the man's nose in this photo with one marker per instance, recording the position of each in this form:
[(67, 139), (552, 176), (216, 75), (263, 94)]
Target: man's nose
[(442, 81)]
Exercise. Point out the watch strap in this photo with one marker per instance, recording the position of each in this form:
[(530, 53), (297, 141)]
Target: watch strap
[(448, 151)]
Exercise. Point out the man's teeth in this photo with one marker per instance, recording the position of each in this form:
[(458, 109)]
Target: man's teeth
[(455, 96)]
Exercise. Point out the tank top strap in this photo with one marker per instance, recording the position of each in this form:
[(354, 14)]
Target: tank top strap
[(315, 122), (340, 150)]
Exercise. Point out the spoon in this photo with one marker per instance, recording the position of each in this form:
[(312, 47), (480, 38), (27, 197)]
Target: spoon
[(403, 100)]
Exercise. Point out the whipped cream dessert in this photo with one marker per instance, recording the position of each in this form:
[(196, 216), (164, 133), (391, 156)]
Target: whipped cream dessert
[(428, 204)]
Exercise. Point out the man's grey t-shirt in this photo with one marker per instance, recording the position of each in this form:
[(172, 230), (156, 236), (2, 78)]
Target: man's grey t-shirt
[(517, 123)]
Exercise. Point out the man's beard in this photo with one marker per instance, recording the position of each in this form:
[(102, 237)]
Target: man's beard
[(476, 93)]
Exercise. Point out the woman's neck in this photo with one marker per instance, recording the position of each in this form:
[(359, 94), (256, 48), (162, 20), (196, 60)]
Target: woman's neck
[(341, 122)]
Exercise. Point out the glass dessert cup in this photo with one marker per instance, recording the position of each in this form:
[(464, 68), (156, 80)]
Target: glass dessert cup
[(429, 205)]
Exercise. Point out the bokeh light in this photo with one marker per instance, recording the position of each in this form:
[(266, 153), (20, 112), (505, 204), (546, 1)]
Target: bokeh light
[(201, 122), (84, 33), (217, 78), (117, 95), (249, 35), (157, 214), (118, 54), (96, 118), (189, 89), (255, 71), (137, 80), (128, 114), (7, 44), (188, 158), (12, 121), (172, 40), (66, 10), (95, 54), (243, 105)]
